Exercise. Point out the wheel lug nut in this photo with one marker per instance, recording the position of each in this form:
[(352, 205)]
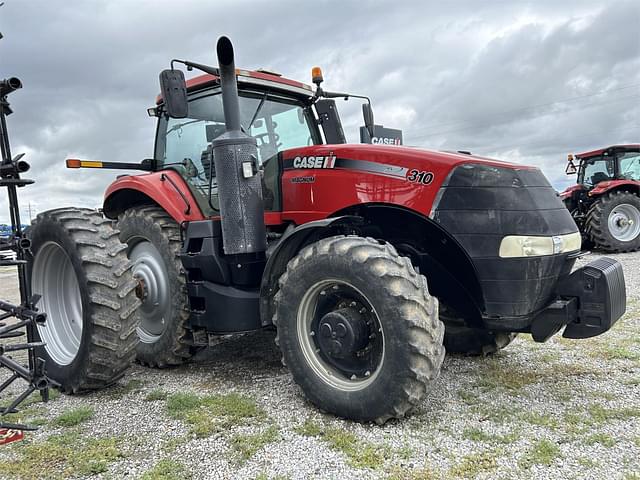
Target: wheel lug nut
[(353, 377), (363, 310), (335, 287), (312, 333), (367, 373), (352, 304)]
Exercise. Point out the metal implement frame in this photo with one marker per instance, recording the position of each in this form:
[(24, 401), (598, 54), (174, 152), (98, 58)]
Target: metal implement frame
[(26, 314)]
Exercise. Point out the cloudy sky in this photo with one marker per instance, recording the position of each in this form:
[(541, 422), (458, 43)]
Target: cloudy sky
[(516, 80)]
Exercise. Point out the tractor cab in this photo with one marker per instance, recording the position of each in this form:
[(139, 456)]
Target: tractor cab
[(277, 112), (613, 163)]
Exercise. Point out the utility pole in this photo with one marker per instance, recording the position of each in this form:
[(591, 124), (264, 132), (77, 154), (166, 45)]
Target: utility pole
[(31, 211)]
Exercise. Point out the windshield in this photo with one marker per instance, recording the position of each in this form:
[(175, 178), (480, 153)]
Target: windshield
[(277, 123), (595, 170), (629, 165)]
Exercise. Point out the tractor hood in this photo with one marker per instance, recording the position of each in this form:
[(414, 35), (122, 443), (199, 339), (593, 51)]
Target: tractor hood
[(400, 156)]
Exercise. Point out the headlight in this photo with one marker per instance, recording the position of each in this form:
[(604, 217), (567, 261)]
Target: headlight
[(533, 246)]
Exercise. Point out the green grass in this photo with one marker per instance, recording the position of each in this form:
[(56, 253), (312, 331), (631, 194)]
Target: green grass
[(246, 445), (156, 395), (600, 414), (601, 438), (359, 453), (541, 420), (469, 398), (308, 429), (470, 466), (167, 470), (213, 413), (74, 417), (425, 473), (476, 435), (614, 352), (587, 462), (543, 452), (62, 456)]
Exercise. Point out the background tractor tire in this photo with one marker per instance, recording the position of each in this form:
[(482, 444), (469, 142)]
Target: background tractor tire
[(153, 246), (81, 270), (398, 348), (613, 222)]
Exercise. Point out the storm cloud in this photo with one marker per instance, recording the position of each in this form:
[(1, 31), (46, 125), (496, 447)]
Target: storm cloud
[(520, 81)]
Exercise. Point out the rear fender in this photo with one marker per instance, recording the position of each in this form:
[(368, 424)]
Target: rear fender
[(166, 189)]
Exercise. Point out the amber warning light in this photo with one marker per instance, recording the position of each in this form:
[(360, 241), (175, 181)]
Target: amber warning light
[(76, 163), (316, 75)]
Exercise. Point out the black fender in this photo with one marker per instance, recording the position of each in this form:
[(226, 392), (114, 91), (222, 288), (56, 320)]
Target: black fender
[(289, 245)]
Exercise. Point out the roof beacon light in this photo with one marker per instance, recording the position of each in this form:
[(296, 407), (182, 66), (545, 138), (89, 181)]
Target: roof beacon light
[(316, 75)]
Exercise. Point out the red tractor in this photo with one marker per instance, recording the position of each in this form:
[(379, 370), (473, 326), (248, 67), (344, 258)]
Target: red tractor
[(254, 213), (605, 201)]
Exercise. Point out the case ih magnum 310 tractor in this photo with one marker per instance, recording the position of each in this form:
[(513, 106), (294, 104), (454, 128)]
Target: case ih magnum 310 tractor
[(254, 213), (605, 201)]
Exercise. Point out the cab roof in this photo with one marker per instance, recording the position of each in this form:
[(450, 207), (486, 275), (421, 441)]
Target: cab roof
[(250, 77), (600, 151)]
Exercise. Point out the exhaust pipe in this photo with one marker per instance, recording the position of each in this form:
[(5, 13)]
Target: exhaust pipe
[(236, 160)]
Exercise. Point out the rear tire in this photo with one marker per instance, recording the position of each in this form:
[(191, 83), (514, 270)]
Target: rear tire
[(397, 352), (83, 274), (613, 222), (153, 246)]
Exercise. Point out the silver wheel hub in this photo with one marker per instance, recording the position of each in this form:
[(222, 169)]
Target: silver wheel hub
[(153, 290), (54, 278), (340, 335), (624, 222)]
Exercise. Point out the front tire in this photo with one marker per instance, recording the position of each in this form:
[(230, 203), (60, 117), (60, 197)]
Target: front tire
[(153, 246), (81, 271), (358, 328), (613, 222)]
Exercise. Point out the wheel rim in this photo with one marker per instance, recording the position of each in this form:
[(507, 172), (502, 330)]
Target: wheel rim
[(334, 321), (624, 222), (153, 290), (54, 278)]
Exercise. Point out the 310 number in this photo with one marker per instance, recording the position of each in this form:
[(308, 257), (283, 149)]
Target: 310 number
[(425, 178)]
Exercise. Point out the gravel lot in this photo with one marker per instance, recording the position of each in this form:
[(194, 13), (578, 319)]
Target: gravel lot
[(565, 409)]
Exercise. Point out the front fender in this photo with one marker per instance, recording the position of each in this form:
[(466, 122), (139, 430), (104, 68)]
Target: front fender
[(167, 189), (604, 187), (290, 244)]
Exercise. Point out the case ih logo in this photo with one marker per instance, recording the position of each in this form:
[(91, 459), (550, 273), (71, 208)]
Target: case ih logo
[(386, 141), (314, 162)]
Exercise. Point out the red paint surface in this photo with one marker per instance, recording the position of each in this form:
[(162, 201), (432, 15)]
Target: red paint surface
[(604, 187), (332, 189), (569, 190), (600, 151), (162, 192)]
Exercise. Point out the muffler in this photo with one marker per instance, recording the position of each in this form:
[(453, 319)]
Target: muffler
[(236, 160)]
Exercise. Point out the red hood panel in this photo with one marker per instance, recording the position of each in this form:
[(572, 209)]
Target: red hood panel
[(404, 156)]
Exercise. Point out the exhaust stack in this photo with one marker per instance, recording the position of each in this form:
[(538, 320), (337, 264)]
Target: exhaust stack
[(236, 160)]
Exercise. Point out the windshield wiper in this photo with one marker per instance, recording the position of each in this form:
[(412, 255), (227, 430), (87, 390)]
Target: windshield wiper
[(255, 115), (178, 126)]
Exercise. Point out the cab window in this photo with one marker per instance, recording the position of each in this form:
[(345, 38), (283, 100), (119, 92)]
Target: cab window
[(630, 165), (277, 123), (596, 170)]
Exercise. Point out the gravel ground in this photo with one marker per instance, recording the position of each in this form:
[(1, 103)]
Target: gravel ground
[(564, 409)]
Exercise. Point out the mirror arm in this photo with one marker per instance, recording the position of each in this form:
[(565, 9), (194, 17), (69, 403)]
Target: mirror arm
[(199, 66)]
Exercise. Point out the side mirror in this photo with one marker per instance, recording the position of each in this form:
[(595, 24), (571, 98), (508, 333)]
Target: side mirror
[(174, 93), (367, 113)]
